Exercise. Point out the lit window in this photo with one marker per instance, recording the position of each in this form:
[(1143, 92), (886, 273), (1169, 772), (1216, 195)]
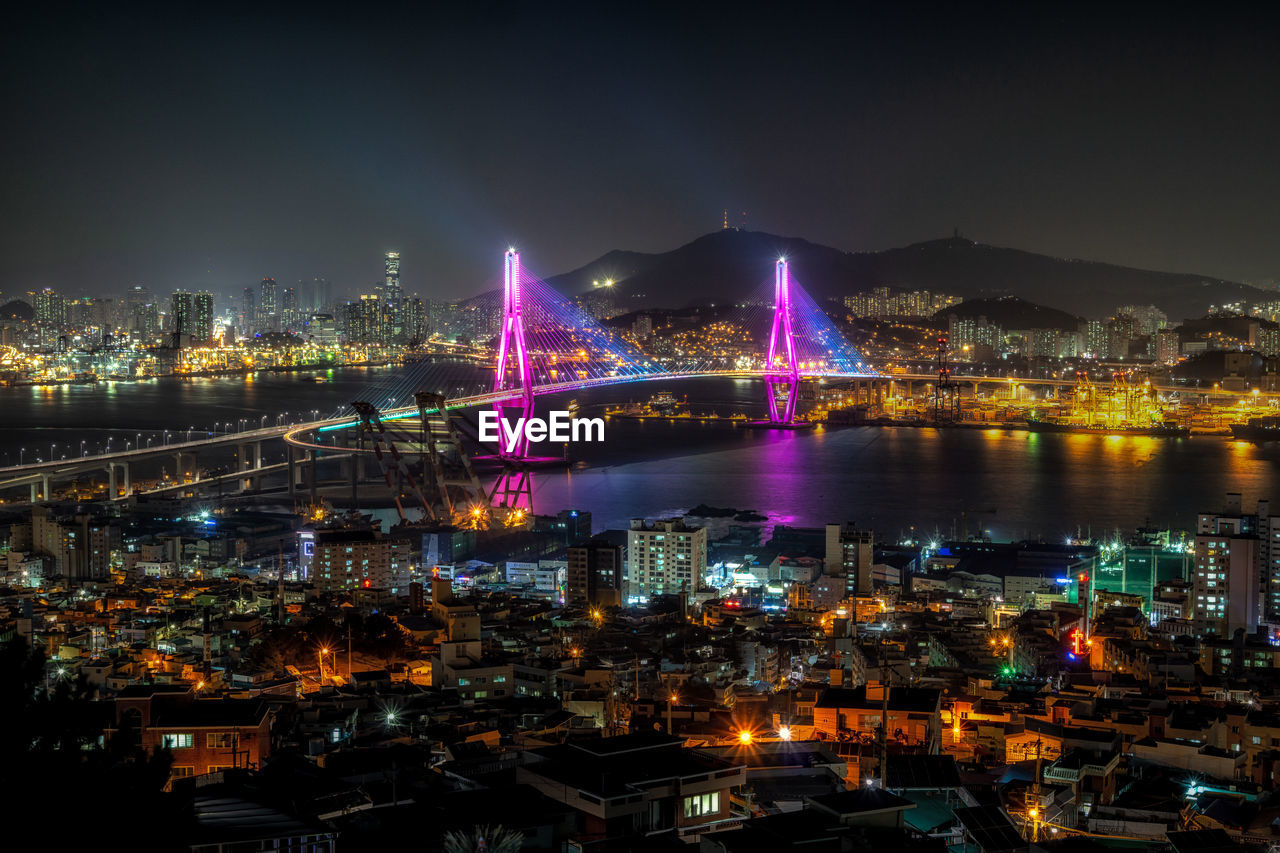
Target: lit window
[(702, 804), (183, 741)]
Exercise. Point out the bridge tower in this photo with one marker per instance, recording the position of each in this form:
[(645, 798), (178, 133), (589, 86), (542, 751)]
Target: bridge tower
[(513, 491), (782, 377), (513, 372)]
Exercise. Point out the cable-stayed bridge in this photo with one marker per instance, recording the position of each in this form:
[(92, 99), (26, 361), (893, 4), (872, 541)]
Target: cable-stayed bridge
[(546, 344)]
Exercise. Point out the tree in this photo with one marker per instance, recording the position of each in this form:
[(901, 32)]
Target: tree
[(483, 839), (52, 741)]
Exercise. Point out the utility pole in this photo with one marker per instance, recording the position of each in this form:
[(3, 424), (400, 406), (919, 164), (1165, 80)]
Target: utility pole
[(280, 583), (884, 717), (1032, 807)]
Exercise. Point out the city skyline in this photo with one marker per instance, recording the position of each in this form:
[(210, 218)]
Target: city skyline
[(504, 427)]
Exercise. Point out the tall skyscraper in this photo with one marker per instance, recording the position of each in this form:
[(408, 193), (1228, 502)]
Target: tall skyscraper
[(391, 281), (1232, 568), (202, 322), (268, 306)]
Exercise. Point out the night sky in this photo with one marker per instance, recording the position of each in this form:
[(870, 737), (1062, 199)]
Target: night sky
[(208, 149)]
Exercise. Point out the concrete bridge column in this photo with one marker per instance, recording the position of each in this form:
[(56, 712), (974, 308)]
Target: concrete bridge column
[(249, 459), (181, 460), (313, 474), (111, 481), (293, 470)]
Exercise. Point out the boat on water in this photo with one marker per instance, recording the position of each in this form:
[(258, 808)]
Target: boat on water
[(1168, 429), (1257, 429), (664, 402)]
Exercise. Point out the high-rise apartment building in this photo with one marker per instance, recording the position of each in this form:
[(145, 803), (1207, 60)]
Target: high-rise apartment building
[(248, 311), (268, 315), (362, 320), (1147, 319), (1168, 346), (144, 321), (1237, 571), (1225, 586), (1269, 341), (181, 316), (80, 545), (1264, 529), (358, 559), (595, 572), (288, 308), (850, 553), (667, 557), (202, 317), (51, 309), (1097, 338)]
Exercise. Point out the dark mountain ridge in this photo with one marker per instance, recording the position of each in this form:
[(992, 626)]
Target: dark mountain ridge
[(730, 266)]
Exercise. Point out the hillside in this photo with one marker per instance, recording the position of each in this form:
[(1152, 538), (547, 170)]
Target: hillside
[(730, 265), (1010, 312)]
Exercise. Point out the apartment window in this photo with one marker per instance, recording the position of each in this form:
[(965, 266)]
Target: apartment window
[(215, 768), (183, 741), (220, 740), (181, 771), (702, 804), (499, 679)]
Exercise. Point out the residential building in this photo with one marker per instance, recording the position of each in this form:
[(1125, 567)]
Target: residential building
[(667, 557)]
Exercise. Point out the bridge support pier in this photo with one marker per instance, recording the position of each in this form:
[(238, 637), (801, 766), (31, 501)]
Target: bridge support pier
[(514, 489), (249, 460), (313, 474), (40, 491), (180, 465), (114, 480)]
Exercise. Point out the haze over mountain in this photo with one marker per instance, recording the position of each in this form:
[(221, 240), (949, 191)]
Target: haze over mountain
[(730, 265)]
